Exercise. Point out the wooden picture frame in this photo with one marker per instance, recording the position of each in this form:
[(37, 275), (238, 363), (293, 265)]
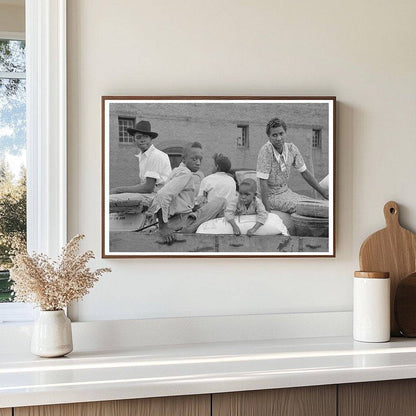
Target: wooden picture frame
[(235, 127)]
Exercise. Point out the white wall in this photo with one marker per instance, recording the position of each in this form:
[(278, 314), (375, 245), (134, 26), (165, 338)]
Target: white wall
[(360, 51)]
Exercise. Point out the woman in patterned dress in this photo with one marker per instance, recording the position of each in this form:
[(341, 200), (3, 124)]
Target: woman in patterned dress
[(274, 161)]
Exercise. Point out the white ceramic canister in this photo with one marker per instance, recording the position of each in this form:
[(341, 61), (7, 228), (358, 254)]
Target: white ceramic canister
[(371, 313)]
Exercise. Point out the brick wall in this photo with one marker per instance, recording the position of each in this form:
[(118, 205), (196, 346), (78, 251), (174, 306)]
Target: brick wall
[(215, 127)]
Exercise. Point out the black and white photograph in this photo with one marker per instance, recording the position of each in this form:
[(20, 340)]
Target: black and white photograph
[(218, 176)]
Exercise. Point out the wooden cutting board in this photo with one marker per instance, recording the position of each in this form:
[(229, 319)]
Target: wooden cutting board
[(393, 250)]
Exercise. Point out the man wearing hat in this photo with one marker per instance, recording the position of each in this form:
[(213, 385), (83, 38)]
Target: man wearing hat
[(154, 164)]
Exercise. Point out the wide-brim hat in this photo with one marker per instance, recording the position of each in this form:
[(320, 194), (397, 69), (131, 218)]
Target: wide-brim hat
[(143, 127)]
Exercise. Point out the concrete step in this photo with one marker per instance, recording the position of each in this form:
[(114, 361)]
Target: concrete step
[(127, 241)]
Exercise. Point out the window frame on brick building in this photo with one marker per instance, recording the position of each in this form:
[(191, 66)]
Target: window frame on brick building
[(243, 141), (317, 138), (124, 136)]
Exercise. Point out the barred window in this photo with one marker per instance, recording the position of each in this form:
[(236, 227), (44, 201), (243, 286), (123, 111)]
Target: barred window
[(242, 138), (123, 124), (316, 138)]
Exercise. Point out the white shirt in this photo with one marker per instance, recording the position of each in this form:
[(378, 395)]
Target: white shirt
[(218, 185), (154, 164)]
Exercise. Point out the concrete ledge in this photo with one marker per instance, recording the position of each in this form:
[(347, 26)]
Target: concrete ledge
[(128, 241)]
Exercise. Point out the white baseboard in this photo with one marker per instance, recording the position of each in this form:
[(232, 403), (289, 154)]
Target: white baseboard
[(169, 331)]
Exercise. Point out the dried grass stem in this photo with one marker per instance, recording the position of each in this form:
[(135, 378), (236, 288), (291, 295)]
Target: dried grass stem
[(53, 285)]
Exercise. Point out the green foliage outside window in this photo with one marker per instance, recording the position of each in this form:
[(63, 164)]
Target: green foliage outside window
[(12, 223), (12, 145)]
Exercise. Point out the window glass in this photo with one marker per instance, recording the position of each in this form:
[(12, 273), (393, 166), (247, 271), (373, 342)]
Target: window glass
[(12, 156), (242, 139), (123, 124), (12, 56)]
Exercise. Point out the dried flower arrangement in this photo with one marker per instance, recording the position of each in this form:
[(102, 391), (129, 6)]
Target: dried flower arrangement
[(53, 285)]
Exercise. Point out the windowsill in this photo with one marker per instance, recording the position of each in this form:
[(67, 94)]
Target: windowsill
[(16, 313)]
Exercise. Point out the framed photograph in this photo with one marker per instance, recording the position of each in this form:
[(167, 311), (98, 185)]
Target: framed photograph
[(218, 176)]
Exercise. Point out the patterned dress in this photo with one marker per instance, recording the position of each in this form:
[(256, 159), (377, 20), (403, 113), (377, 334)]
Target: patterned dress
[(275, 168)]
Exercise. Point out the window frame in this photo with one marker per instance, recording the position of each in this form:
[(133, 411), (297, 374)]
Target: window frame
[(124, 118), (316, 138), (46, 138), (245, 136), (12, 36), (12, 311)]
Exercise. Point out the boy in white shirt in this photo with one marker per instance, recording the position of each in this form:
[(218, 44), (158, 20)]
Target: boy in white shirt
[(154, 170)]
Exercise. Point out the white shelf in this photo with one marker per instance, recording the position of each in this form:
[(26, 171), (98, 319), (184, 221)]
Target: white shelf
[(150, 371)]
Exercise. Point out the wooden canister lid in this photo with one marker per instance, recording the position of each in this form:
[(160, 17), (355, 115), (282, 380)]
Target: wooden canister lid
[(372, 275)]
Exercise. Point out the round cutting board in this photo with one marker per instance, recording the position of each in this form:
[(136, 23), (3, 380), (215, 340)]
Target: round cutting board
[(393, 250)]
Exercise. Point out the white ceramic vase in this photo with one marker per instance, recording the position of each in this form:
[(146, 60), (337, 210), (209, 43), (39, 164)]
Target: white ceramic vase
[(52, 334)]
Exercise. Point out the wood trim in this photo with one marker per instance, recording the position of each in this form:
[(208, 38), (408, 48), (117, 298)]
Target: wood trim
[(372, 275), (161, 406), (103, 100), (218, 97), (237, 97), (381, 398), (334, 164), (311, 401)]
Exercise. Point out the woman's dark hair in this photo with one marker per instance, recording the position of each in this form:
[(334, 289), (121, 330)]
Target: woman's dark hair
[(223, 163), (273, 123)]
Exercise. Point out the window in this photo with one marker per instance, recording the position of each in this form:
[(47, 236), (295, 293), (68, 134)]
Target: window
[(316, 138), (46, 109), (13, 155), (123, 124), (242, 138), (175, 155)]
